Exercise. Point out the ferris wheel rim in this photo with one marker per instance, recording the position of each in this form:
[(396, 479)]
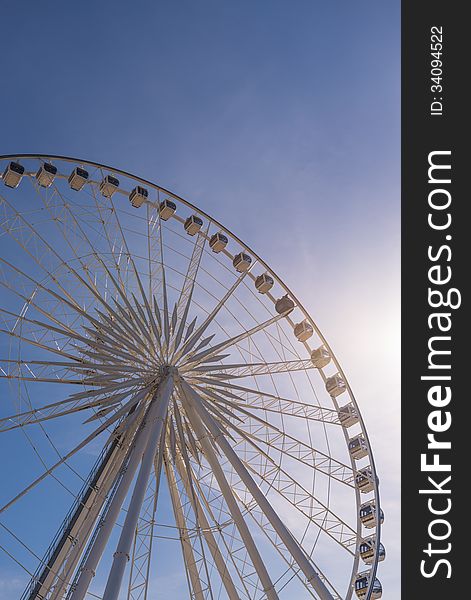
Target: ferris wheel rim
[(280, 281)]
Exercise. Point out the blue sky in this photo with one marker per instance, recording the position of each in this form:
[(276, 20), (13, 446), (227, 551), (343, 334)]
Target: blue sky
[(281, 119)]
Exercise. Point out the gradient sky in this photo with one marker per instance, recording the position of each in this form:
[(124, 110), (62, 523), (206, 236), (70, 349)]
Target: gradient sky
[(281, 119)]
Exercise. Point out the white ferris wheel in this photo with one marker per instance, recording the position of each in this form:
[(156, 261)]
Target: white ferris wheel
[(160, 379)]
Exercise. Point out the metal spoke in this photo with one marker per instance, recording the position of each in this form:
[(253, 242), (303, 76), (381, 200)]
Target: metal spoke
[(246, 370), (276, 405), (207, 355)]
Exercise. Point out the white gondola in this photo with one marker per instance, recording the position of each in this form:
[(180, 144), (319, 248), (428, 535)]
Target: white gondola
[(242, 262), (138, 196), (367, 550), (362, 583), (357, 447), (193, 224), (284, 305), (335, 385), (13, 174), (264, 283), (46, 174), (364, 480), (348, 415), (303, 331), (78, 178), (368, 514), (108, 186), (166, 209), (218, 242), (320, 357)]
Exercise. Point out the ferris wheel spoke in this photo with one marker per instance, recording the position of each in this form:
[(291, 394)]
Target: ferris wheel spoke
[(79, 365), (282, 482), (210, 353), (111, 245), (117, 323), (19, 219), (223, 388), (108, 389), (225, 488), (60, 221), (254, 369), (276, 405), (72, 452), (135, 318), (61, 300), (128, 252), (152, 223), (63, 331), (113, 351), (147, 329), (46, 380), (193, 339), (53, 411), (91, 287), (291, 544), (28, 302), (320, 515), (184, 300), (117, 328), (128, 314), (110, 349), (54, 350), (294, 448)]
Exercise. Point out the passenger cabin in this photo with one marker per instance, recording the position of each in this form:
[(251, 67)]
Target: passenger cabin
[(138, 196), (78, 178), (264, 283), (320, 357), (364, 480), (368, 514), (367, 550), (13, 174), (348, 415), (284, 305), (335, 385), (108, 186), (218, 242), (166, 209), (303, 331), (362, 583), (357, 447), (193, 224), (46, 175), (242, 262)]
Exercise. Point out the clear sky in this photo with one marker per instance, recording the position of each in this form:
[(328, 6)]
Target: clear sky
[(281, 119)]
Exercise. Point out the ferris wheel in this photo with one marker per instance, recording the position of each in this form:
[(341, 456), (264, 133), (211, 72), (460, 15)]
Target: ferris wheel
[(160, 380)]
